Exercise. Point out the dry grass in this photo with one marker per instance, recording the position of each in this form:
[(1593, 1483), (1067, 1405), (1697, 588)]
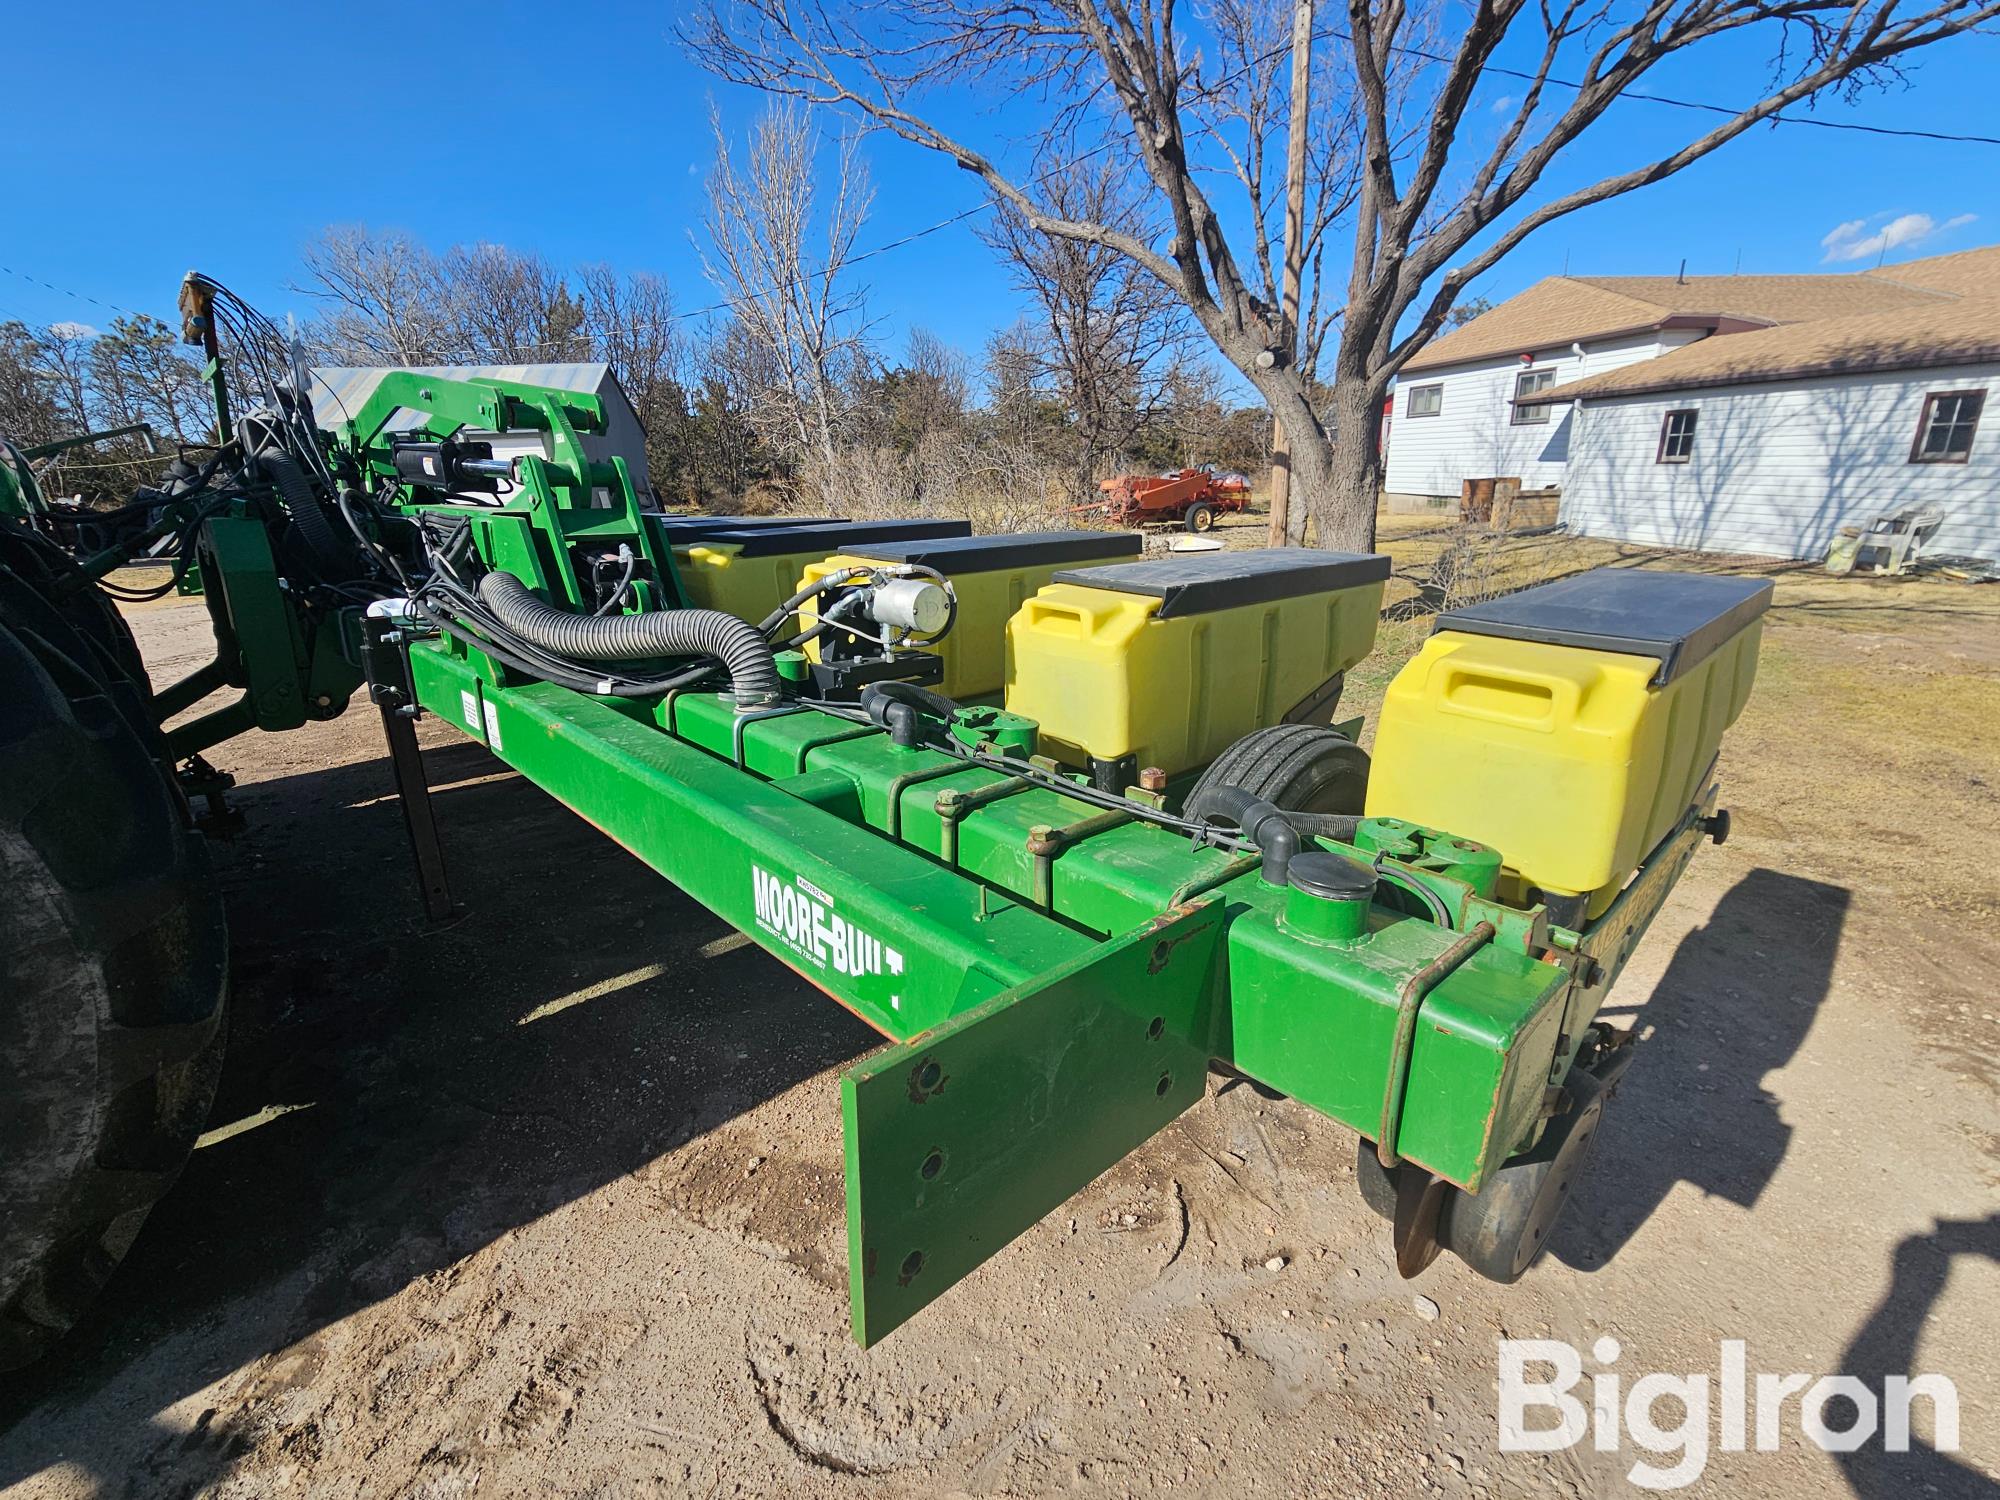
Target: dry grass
[(998, 486)]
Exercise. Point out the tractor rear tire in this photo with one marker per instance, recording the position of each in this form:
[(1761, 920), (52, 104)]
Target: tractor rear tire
[(1200, 517), (1307, 768), (113, 956)]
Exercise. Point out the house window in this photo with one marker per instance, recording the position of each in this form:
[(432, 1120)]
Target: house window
[(1525, 385), (1425, 401), (1677, 437), (1944, 436)]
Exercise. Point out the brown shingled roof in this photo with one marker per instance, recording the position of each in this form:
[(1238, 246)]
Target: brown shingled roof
[(1969, 273), (1770, 299), (1944, 331), (1554, 312), (1562, 310)]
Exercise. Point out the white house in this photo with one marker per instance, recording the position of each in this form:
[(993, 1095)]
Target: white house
[(1767, 442), (1462, 408), (339, 392)]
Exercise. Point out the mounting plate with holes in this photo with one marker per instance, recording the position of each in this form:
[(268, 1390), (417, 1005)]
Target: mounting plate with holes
[(966, 1135)]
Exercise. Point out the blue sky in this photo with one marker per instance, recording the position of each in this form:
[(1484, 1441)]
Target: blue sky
[(583, 134)]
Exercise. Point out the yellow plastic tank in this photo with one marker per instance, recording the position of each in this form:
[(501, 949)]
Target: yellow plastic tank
[(1170, 661), (1570, 726), (992, 576), (748, 570)]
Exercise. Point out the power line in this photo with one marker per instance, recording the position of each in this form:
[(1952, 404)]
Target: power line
[(1334, 35), (1329, 34), (1694, 104), (896, 244), (79, 296)]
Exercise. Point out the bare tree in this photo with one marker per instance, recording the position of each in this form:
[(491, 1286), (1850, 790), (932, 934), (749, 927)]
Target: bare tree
[(1194, 415), (65, 361), (632, 326), (138, 374), (1464, 312), (66, 379), (389, 300), (31, 409), (508, 308), (929, 391), (1109, 336), (384, 298), (1431, 215), (1261, 109), (796, 329), (1012, 364), (724, 415)]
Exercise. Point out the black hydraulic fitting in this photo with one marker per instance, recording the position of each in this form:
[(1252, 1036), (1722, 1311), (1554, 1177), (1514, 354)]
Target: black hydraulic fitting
[(1264, 824)]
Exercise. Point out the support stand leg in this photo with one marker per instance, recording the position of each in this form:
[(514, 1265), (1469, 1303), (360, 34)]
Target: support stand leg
[(414, 793)]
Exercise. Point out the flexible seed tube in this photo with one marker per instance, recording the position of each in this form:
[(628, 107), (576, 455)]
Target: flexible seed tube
[(736, 644)]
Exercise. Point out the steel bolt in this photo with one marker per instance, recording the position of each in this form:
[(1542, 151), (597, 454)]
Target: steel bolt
[(1152, 779)]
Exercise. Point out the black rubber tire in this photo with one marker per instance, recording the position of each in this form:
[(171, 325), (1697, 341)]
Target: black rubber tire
[(1501, 1231), (1199, 517), (1297, 767), (113, 963)]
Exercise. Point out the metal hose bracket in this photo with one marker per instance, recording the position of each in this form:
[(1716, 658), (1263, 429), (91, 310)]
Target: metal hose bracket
[(1409, 1000), (736, 644)]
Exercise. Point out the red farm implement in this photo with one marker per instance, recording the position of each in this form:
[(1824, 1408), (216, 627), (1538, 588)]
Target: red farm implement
[(1192, 497)]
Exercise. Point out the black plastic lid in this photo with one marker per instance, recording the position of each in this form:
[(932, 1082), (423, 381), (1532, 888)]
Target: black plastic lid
[(680, 526), (1680, 619), (1198, 582), (1021, 549), (842, 536), (1330, 876)]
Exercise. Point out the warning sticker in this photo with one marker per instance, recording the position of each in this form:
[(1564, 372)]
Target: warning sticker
[(493, 726), (470, 705), (801, 915)]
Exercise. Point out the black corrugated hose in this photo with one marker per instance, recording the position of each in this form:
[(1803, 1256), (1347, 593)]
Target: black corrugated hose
[(332, 553), (736, 644)]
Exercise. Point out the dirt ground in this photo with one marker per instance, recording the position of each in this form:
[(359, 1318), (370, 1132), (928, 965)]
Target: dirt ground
[(549, 1199)]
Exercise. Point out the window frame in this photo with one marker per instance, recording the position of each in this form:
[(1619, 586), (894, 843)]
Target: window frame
[(1931, 399), (1544, 409), (1660, 455), (1410, 404)]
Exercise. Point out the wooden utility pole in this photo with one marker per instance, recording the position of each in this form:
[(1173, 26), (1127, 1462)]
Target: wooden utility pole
[(1283, 526)]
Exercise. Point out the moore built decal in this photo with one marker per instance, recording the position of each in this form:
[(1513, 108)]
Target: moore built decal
[(802, 916)]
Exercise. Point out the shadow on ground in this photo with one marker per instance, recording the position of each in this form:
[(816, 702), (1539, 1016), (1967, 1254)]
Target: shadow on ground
[(397, 1095), (1733, 1005), (1887, 1344)]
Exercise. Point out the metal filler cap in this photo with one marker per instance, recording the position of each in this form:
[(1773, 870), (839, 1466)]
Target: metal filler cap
[(1329, 897)]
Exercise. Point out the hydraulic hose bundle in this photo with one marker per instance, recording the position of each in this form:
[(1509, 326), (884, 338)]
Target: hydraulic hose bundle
[(736, 644)]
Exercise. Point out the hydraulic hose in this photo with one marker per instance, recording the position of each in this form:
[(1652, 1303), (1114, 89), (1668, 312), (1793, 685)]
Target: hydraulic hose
[(1263, 823), (335, 558), (935, 704), (736, 644)]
